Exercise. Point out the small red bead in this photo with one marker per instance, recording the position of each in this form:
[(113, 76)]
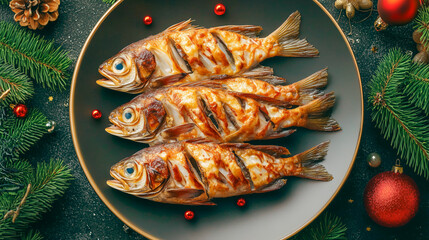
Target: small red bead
[(147, 20), (20, 110), (189, 215), (219, 9), (96, 114), (241, 202)]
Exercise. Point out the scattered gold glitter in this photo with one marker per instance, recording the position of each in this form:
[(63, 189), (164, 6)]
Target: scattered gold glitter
[(351, 200), (50, 98), (374, 49), (368, 229)]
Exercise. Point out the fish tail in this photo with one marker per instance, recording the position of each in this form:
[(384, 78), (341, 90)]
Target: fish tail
[(287, 37), (317, 111), (308, 163), (308, 88)]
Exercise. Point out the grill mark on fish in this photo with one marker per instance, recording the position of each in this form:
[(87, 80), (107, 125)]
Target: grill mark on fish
[(223, 47), (178, 57), (210, 116), (244, 169), (230, 116), (196, 169), (183, 55), (265, 114)]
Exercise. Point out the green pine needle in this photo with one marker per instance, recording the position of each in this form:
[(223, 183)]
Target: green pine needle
[(49, 181), (326, 227), (110, 1), (405, 125), (34, 56), (32, 235), (21, 133), (421, 24), (4, 2), (417, 88), (20, 87)]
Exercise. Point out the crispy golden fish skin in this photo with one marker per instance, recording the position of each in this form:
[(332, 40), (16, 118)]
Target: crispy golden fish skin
[(194, 172), (186, 112), (185, 53)]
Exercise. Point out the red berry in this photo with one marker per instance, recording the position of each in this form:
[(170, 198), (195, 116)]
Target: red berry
[(241, 202), (20, 110), (147, 20), (219, 9), (189, 215), (96, 114)]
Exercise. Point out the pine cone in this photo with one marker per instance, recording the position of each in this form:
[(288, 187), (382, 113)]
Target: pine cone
[(35, 14)]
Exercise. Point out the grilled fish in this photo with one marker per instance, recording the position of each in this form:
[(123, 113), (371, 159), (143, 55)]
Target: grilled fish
[(186, 112), (195, 172), (185, 53)]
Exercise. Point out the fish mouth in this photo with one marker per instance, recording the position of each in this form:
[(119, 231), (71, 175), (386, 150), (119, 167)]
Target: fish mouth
[(115, 184), (114, 130), (106, 83)]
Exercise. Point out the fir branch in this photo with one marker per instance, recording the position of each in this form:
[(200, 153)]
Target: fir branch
[(417, 87), (49, 181), (19, 85), (4, 2), (34, 56), (421, 24), (326, 227), (21, 133), (399, 120), (110, 1), (32, 235)]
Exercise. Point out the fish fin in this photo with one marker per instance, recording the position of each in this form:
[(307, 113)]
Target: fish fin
[(308, 159), (269, 149), (263, 99), (203, 203), (199, 140), (316, 110), (280, 134), (167, 80), (308, 88), (277, 184), (174, 132), (185, 193), (246, 30), (263, 73), (204, 83), (287, 37), (181, 26)]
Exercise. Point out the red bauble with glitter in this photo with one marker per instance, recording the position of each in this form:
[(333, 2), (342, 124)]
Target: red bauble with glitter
[(96, 114), (20, 110), (241, 202), (398, 12), (391, 198), (189, 215), (147, 20), (219, 9)]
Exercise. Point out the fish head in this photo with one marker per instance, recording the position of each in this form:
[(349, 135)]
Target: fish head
[(128, 71), (143, 174), (138, 120)]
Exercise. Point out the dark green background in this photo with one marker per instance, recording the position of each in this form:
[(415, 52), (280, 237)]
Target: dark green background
[(80, 214)]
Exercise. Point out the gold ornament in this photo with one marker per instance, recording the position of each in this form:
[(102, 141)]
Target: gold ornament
[(352, 5), (423, 55), (35, 14)]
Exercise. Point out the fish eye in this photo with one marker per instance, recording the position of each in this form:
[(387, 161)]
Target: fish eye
[(128, 115), (129, 169), (118, 66)]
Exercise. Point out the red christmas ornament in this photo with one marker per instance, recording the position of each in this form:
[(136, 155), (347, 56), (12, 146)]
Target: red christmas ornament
[(391, 198), (147, 20), (20, 110), (241, 202), (96, 114), (219, 9), (395, 12), (189, 215)]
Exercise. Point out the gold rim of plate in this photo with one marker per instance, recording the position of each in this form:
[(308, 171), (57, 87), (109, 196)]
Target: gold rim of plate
[(119, 214)]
